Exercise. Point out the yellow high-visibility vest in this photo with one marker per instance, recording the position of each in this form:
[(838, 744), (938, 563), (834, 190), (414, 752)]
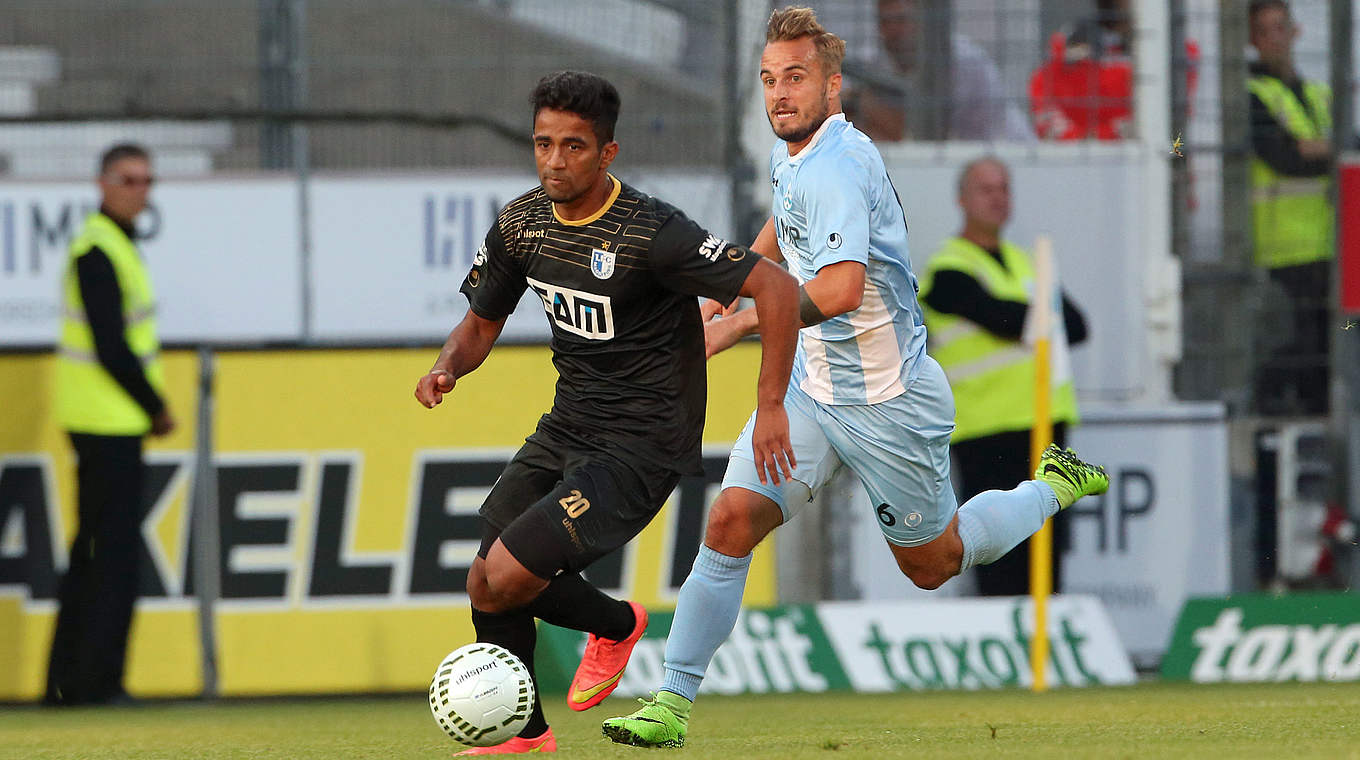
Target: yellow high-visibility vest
[(992, 377), (88, 399), (1292, 217)]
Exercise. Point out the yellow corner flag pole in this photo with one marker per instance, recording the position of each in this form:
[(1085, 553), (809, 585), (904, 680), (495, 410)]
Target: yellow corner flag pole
[(1041, 545)]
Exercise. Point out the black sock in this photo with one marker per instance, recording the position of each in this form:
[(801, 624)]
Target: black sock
[(515, 631), (570, 601)]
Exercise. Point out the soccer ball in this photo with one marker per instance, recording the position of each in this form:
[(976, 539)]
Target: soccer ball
[(481, 695)]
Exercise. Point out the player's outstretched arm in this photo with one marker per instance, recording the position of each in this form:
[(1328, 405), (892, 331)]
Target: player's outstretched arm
[(776, 295), (465, 350), (837, 289), (766, 245)]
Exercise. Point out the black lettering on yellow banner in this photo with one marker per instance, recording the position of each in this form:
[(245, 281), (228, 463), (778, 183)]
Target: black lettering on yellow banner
[(24, 501), (336, 508), (29, 521), (435, 526), (159, 477), (30, 508), (235, 481)]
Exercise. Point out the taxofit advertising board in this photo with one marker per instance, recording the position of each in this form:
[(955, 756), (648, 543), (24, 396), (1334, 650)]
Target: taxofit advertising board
[(876, 647), (347, 517), (1312, 636)]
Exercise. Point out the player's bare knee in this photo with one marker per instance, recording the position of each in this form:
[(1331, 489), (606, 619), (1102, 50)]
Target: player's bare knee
[(730, 531), (927, 580), (495, 601), (929, 574), (739, 520), (476, 584), (724, 524), (484, 599), (502, 591)]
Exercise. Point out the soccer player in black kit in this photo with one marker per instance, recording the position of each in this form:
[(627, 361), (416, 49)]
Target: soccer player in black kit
[(618, 273)]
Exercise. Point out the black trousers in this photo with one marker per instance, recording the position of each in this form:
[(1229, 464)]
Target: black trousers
[(1000, 462), (1294, 378), (98, 591)]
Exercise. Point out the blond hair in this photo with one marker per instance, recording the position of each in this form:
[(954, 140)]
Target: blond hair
[(795, 23)]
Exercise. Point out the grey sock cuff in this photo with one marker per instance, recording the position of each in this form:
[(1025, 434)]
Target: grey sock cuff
[(720, 564), (973, 534), (1051, 505), (684, 684)]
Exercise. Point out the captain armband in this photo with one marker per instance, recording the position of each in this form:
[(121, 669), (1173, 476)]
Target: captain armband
[(807, 310)]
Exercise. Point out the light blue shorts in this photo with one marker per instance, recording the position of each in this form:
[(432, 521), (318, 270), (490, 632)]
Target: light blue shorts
[(899, 449)]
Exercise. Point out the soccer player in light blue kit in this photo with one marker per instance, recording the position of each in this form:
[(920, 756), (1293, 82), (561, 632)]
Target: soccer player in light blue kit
[(864, 392)]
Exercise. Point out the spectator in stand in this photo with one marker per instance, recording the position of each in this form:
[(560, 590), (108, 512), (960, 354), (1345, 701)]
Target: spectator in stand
[(1292, 214), (1085, 89), (977, 106)]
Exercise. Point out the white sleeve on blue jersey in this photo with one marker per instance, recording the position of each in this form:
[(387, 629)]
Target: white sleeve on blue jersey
[(836, 197)]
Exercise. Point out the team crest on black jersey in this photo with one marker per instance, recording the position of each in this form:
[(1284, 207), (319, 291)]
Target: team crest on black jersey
[(601, 263)]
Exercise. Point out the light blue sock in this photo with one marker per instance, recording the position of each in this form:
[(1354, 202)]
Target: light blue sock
[(705, 612), (994, 522)]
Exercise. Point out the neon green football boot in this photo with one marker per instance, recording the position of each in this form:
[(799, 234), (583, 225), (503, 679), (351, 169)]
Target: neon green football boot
[(661, 722), (1069, 477)]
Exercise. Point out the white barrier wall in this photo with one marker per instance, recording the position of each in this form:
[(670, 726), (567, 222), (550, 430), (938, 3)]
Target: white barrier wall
[(222, 253), (388, 254), (1089, 200), (1160, 535)]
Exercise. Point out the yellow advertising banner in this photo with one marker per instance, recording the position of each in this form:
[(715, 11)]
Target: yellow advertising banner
[(347, 517)]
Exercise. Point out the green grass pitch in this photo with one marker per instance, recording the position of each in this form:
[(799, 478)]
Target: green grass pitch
[(1145, 721)]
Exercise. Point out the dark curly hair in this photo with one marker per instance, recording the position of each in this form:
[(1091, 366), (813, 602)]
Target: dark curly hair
[(589, 96)]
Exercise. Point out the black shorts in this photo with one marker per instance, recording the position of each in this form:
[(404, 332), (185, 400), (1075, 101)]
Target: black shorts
[(557, 507)]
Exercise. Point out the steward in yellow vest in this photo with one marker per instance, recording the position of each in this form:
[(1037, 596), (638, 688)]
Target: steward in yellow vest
[(975, 293), (975, 302), (109, 394), (1292, 215), (109, 373)]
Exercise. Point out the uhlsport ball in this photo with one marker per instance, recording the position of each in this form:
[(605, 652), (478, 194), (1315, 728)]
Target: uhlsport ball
[(481, 695)]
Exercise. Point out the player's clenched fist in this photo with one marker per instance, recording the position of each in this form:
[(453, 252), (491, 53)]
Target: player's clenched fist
[(431, 388)]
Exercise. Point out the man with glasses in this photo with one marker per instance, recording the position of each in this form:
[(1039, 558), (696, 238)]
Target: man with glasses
[(109, 395)]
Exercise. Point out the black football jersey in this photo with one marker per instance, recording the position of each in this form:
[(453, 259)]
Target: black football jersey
[(618, 289)]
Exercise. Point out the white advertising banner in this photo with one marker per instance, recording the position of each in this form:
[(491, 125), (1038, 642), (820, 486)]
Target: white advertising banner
[(390, 253), (972, 643), (876, 647), (1160, 534), (1086, 200), (223, 256)]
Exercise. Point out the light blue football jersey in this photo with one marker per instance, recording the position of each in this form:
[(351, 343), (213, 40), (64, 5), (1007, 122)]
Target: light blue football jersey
[(834, 202)]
